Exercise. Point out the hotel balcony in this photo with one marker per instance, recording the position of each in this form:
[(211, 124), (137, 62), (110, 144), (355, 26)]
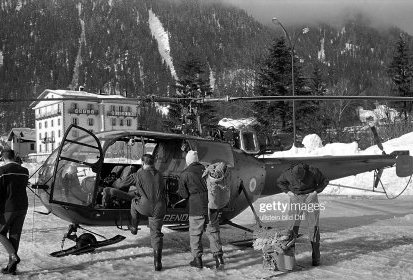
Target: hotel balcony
[(121, 114), (50, 114), (46, 140)]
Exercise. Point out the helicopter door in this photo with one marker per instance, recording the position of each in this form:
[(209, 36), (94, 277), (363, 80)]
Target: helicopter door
[(211, 152), (77, 166)]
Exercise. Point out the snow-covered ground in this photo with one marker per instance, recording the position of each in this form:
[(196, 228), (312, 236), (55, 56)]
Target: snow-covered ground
[(363, 237)]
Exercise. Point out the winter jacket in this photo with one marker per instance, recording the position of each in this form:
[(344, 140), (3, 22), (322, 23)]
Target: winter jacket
[(151, 192), (13, 183), (313, 180), (193, 187)]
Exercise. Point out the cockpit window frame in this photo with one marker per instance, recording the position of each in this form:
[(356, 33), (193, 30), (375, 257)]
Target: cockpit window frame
[(96, 167)]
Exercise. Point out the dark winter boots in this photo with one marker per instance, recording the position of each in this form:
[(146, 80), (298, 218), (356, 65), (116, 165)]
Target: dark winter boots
[(12, 265), (196, 262), (316, 253), (219, 262), (157, 259), (133, 230)]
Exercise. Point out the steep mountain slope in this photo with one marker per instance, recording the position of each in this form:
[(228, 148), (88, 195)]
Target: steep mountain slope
[(138, 47)]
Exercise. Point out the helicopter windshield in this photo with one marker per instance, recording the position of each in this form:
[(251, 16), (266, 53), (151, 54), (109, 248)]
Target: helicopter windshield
[(75, 171)]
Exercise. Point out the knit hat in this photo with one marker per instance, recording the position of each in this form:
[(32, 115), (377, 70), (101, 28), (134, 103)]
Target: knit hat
[(191, 156), (299, 171)]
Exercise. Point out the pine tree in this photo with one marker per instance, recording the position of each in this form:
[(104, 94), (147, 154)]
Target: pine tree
[(320, 120), (274, 79), (401, 73)]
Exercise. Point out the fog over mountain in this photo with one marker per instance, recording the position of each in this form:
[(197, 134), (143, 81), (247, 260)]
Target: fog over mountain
[(381, 12)]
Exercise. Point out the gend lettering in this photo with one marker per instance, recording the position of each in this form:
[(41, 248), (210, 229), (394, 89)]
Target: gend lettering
[(176, 218)]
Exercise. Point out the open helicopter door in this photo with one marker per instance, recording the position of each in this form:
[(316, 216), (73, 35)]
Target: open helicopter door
[(77, 167)]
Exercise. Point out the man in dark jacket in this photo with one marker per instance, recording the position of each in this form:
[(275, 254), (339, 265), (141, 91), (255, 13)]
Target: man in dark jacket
[(193, 187), (150, 201), (13, 207), (302, 183)]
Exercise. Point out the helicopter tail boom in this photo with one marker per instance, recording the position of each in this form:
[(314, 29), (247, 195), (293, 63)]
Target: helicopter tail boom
[(335, 167)]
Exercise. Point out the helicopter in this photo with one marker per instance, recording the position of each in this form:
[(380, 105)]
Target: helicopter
[(71, 180)]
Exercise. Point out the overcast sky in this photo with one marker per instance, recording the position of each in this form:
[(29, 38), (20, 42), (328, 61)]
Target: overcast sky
[(388, 12)]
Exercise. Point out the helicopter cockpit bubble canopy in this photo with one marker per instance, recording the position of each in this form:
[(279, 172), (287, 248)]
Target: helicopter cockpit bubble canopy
[(75, 173)]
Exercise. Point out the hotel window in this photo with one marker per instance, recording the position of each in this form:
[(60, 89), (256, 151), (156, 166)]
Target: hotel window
[(90, 106), (74, 106), (58, 121), (58, 133), (40, 136), (128, 122), (121, 122), (40, 148), (40, 125), (45, 124), (112, 108), (113, 122), (32, 147), (128, 109), (51, 123), (75, 121), (90, 121), (120, 108)]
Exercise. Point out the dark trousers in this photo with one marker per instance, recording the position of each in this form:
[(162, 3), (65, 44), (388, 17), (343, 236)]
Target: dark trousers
[(311, 217), (155, 227), (11, 225)]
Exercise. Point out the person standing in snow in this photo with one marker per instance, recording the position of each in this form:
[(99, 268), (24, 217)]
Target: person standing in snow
[(13, 207), (193, 187), (303, 183), (150, 201)]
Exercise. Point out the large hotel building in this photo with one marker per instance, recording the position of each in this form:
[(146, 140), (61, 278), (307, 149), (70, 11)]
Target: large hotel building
[(101, 113)]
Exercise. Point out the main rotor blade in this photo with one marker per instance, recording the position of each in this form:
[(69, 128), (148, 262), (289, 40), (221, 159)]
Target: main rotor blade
[(162, 99)]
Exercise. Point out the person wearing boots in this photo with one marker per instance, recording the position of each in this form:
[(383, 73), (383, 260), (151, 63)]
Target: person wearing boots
[(303, 183), (13, 207), (193, 187), (150, 201)]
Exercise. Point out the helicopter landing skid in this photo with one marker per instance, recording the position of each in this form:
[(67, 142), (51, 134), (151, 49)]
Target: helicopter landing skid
[(85, 243), (90, 247)]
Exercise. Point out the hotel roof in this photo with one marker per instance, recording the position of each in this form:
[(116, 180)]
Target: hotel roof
[(80, 95)]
